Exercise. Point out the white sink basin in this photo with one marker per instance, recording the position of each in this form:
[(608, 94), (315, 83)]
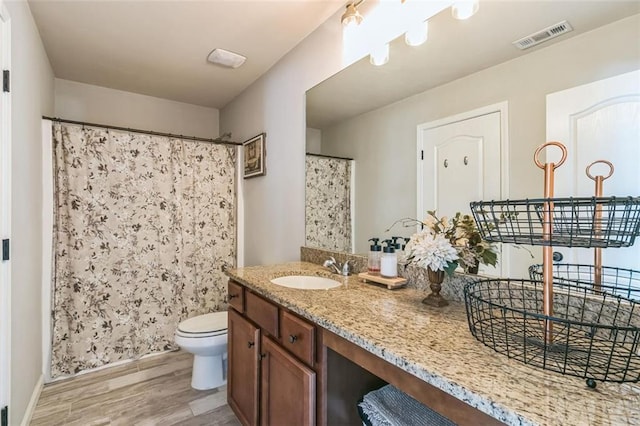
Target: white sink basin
[(306, 282)]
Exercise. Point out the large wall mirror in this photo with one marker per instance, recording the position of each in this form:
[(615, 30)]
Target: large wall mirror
[(370, 117)]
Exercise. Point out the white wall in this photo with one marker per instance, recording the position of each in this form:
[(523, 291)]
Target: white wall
[(32, 96), (314, 140), (274, 204), (386, 138), (95, 104)]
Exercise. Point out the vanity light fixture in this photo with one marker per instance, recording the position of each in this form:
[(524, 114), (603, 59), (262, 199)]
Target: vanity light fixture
[(465, 9), (417, 34), (226, 58), (351, 17), (380, 55)]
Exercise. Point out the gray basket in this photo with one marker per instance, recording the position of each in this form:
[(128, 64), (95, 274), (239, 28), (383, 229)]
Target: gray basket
[(595, 336), (576, 222)]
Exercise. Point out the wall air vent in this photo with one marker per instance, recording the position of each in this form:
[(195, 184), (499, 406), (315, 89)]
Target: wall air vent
[(543, 35)]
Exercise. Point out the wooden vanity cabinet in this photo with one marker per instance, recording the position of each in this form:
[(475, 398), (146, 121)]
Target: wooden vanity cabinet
[(268, 382), (243, 368)]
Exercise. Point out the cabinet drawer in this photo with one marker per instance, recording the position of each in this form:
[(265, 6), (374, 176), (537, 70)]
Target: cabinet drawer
[(298, 337), (236, 296), (262, 313)]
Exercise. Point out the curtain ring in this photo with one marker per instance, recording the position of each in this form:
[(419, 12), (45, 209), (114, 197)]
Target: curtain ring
[(446, 163), (466, 160)]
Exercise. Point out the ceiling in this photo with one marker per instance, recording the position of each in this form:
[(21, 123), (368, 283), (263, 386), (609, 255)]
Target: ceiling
[(455, 49), (159, 48)]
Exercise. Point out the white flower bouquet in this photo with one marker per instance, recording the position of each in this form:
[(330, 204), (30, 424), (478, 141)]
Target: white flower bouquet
[(431, 250), (445, 244)]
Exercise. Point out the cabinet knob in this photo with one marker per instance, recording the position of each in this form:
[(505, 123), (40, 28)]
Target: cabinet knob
[(262, 356), (251, 344), (232, 296), (292, 338)]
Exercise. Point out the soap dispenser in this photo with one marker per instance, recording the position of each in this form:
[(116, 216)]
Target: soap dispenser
[(389, 261), (405, 255), (373, 263), (399, 247)]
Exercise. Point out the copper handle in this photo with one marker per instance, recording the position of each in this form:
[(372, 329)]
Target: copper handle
[(597, 252), (543, 146), (608, 163), (547, 231)]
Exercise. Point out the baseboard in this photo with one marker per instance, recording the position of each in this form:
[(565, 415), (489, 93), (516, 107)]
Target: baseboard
[(33, 402), (103, 367)]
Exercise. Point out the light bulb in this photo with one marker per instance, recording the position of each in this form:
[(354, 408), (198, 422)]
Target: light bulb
[(417, 34), (351, 17), (380, 55), (465, 9)]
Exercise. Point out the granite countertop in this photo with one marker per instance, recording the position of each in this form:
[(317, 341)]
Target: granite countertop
[(435, 345)]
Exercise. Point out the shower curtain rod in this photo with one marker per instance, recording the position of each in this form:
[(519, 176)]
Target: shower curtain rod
[(218, 140), (328, 156)]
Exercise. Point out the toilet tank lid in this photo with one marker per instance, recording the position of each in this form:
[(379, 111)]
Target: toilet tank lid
[(206, 323)]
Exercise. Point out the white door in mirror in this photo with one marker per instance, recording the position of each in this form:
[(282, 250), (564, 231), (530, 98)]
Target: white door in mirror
[(305, 282), (459, 161), (598, 121)]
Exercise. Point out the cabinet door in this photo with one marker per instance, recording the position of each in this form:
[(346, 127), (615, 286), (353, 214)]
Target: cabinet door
[(288, 390), (243, 368)]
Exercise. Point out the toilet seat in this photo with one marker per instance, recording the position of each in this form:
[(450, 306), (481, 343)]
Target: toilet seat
[(201, 326)]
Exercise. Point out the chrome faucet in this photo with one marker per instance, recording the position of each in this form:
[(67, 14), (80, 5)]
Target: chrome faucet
[(342, 269)]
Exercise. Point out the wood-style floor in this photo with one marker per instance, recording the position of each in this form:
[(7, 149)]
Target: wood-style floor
[(149, 392)]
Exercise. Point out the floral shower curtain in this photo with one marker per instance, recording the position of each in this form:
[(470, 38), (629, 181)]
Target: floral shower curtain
[(143, 228), (328, 203)]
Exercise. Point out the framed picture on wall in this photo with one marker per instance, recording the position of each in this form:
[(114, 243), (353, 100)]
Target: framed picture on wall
[(255, 156)]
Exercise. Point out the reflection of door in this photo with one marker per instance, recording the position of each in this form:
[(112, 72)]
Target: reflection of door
[(459, 161), (600, 120)]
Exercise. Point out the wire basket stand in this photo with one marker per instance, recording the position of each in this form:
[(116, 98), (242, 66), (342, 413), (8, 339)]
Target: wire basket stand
[(581, 330), (616, 281)]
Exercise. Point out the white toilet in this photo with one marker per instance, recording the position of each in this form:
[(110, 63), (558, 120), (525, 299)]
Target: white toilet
[(205, 336)]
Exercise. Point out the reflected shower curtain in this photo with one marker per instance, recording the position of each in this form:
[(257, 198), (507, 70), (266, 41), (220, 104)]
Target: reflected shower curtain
[(328, 203), (143, 227)]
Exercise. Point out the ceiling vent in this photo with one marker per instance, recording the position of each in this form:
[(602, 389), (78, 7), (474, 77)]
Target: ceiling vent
[(543, 35), (226, 58)]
